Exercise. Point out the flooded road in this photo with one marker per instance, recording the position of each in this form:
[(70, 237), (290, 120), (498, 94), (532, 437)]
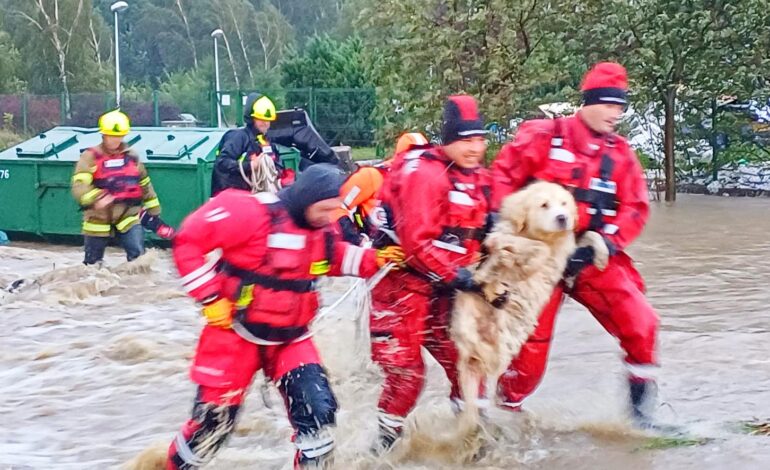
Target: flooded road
[(93, 363)]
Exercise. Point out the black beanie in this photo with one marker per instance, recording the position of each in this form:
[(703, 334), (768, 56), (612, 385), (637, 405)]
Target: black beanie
[(461, 119), (320, 181)]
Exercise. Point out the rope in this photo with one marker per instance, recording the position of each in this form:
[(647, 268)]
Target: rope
[(373, 281), (360, 318), (264, 175)]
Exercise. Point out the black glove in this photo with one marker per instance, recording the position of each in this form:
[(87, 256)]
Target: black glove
[(155, 224), (150, 222), (349, 231), (580, 259), (464, 281), (492, 219)]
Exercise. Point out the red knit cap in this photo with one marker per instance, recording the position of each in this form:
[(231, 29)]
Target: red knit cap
[(605, 83), (461, 119)]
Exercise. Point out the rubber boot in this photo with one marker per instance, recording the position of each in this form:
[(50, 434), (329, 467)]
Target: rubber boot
[(643, 396), (386, 438), (315, 451), (323, 462)]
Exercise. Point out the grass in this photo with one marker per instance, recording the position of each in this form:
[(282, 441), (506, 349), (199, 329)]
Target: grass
[(756, 428), (660, 443), (363, 153), (9, 139)]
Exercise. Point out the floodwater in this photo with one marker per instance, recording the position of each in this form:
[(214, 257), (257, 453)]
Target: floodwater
[(93, 363)]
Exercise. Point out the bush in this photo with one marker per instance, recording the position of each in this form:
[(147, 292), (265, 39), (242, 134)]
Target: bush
[(9, 139), (189, 93)]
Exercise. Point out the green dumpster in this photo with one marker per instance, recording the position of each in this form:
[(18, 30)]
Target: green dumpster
[(35, 175)]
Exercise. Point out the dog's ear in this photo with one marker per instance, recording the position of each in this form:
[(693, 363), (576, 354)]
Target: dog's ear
[(514, 210)]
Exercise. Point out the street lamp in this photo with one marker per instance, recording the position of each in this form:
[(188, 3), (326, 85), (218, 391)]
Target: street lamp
[(116, 8), (217, 33)]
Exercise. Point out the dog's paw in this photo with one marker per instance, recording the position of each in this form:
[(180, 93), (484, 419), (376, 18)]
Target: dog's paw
[(601, 252)]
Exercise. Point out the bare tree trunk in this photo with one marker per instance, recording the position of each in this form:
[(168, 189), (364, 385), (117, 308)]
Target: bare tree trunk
[(189, 35), (669, 130), (60, 38), (269, 40), (264, 50), (65, 87), (94, 41), (243, 45), (232, 63)]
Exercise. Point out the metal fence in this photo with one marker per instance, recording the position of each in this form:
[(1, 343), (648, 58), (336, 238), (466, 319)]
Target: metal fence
[(31, 114), (341, 116)]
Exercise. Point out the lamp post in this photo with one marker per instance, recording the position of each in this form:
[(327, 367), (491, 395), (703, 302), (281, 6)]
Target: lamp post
[(217, 33), (116, 8)]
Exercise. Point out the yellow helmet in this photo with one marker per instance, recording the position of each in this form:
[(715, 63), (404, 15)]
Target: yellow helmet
[(263, 109), (114, 123)]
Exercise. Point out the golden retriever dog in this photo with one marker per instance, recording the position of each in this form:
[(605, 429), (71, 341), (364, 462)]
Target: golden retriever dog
[(528, 251)]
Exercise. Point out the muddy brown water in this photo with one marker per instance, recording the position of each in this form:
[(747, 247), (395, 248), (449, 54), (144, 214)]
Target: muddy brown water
[(93, 363)]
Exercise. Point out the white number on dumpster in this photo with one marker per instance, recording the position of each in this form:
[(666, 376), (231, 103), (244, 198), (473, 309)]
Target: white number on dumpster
[(5, 174)]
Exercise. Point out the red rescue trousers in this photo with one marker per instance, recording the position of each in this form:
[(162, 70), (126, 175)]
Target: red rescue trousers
[(223, 368), (615, 297), (402, 321)]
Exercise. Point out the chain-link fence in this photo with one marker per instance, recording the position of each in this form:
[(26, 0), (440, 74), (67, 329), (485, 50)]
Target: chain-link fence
[(31, 114), (341, 115)]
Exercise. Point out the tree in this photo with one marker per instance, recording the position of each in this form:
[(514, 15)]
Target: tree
[(496, 50), (181, 7), (328, 63), (255, 40), (309, 18), (343, 111), (10, 66), (99, 39), (58, 24), (275, 36), (675, 51), (159, 37)]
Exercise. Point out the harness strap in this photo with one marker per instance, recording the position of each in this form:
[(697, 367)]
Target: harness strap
[(464, 233), (270, 282)]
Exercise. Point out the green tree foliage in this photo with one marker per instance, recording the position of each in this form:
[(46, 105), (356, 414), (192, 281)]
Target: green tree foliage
[(310, 17), (686, 52), (343, 110), (500, 51), (10, 65), (53, 38), (513, 55), (328, 63)]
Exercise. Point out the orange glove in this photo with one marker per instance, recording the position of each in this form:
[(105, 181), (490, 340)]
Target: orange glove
[(219, 313), (390, 254)]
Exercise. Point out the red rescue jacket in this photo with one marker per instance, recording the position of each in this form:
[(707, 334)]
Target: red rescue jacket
[(436, 211), (602, 172), (268, 265)]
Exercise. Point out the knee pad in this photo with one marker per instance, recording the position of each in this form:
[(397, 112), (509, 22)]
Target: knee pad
[(309, 398), (202, 437)]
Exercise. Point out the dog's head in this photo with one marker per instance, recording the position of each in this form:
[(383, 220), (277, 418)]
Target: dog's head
[(540, 210)]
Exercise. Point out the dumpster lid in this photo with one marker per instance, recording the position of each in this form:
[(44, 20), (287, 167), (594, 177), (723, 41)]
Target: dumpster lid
[(176, 147), (46, 145), (130, 140)]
